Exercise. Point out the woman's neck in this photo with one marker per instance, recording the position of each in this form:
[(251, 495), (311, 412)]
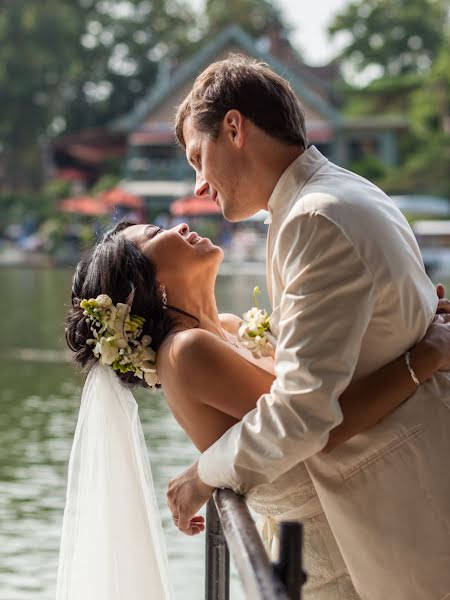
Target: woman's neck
[(202, 307)]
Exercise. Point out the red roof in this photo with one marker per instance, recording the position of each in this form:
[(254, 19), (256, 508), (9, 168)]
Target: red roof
[(103, 203), (119, 197), (188, 207), (84, 205)]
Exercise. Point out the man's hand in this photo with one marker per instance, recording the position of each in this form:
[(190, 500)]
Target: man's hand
[(186, 494)]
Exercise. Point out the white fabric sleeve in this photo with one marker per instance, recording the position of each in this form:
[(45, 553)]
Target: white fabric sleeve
[(326, 304)]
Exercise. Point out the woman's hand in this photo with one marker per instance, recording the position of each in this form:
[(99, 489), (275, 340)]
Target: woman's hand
[(186, 494), (432, 353), (443, 306)]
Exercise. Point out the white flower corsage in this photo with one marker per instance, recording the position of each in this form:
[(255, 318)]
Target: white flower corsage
[(117, 338), (254, 332)]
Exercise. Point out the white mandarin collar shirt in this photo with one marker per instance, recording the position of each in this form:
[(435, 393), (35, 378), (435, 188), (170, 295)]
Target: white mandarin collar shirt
[(349, 293), (296, 175)]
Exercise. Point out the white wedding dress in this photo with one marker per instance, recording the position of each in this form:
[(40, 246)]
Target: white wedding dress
[(292, 497), (112, 543)]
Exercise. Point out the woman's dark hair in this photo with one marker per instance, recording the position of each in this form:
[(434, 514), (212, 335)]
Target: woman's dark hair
[(115, 267)]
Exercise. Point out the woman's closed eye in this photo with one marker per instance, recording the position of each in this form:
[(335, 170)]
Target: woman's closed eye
[(152, 231)]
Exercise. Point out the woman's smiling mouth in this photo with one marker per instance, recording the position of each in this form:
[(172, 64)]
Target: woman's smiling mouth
[(193, 238)]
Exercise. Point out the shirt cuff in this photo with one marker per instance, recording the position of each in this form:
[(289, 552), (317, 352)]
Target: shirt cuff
[(215, 467)]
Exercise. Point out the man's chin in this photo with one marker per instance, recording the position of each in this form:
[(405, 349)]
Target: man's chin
[(237, 214)]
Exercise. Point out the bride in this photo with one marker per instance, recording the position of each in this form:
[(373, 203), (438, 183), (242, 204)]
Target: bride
[(112, 545)]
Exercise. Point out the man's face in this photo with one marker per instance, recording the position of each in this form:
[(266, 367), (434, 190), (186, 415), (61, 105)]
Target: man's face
[(218, 170)]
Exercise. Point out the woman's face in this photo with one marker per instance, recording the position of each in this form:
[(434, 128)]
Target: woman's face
[(176, 251)]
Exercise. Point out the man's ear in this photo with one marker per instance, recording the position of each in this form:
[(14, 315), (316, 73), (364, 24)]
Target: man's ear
[(234, 124)]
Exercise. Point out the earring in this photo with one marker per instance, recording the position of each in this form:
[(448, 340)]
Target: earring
[(162, 287)]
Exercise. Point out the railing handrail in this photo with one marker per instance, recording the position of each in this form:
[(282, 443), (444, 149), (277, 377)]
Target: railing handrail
[(228, 515)]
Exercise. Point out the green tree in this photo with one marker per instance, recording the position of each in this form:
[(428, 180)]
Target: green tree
[(427, 164), (405, 44), (395, 36), (430, 109), (254, 16), (73, 64)]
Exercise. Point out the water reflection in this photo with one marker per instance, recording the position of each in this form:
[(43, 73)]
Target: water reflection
[(39, 399)]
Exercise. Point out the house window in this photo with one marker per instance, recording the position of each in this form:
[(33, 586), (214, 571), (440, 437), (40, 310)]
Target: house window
[(363, 146)]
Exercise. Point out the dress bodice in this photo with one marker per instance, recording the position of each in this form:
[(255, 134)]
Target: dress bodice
[(291, 495)]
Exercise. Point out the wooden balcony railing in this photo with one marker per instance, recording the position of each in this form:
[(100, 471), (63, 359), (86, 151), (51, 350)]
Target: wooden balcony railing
[(230, 528)]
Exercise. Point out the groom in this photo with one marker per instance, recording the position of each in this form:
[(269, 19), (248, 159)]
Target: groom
[(349, 294)]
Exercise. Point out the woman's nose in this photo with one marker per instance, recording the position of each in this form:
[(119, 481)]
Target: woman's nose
[(183, 228)]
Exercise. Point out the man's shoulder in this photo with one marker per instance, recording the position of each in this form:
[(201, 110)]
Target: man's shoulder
[(345, 199)]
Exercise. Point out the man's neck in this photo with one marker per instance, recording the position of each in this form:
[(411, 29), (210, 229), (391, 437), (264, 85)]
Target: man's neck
[(271, 162)]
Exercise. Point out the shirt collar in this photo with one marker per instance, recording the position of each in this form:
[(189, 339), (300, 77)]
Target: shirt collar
[(293, 179)]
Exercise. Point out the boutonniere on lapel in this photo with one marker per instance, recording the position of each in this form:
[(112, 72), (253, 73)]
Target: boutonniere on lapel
[(254, 332)]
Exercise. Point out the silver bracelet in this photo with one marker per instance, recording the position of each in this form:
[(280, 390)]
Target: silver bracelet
[(410, 369)]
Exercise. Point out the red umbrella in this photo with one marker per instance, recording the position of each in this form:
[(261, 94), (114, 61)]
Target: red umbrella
[(189, 207), (71, 174), (84, 205), (118, 197)]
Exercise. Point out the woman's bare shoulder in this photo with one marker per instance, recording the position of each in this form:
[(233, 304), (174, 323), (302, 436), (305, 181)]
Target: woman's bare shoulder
[(186, 350), (197, 366), (230, 322), (184, 342)]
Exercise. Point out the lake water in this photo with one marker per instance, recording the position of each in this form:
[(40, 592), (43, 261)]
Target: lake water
[(39, 400)]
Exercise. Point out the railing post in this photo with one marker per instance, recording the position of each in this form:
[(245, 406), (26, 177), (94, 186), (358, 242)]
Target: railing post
[(289, 567), (217, 567)]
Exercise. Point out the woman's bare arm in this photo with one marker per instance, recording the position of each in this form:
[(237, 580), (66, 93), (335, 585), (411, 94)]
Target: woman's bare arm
[(208, 385), (206, 373)]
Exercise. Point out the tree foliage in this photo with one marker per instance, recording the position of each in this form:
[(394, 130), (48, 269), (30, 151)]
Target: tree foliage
[(255, 16), (395, 36), (68, 65), (73, 64), (407, 43), (430, 107)]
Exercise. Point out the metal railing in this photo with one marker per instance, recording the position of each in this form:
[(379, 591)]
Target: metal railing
[(230, 528)]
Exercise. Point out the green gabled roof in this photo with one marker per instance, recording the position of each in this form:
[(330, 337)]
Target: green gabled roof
[(190, 69)]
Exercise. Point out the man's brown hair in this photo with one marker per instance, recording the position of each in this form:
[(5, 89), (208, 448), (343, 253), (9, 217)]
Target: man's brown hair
[(252, 88)]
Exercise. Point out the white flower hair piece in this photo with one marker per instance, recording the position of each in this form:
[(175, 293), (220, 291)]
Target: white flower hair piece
[(117, 338), (254, 332)]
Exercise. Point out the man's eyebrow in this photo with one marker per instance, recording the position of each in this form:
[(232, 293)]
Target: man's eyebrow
[(191, 156)]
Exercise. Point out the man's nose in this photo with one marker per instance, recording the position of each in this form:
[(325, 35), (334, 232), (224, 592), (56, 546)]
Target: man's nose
[(201, 187)]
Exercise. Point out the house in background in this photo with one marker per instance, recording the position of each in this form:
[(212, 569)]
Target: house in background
[(156, 169)]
